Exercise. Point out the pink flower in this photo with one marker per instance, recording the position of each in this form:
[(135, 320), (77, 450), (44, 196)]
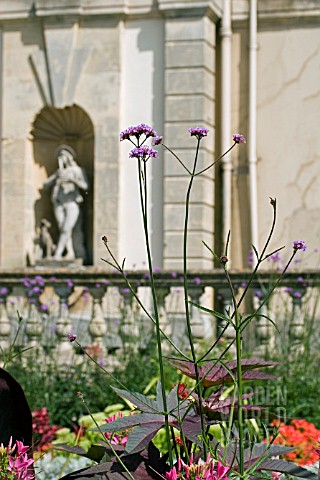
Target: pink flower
[(19, 466), (172, 475), (276, 475), (208, 470), (22, 449), (10, 449), (222, 470)]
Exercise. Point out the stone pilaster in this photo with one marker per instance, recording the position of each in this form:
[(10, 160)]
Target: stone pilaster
[(189, 102)]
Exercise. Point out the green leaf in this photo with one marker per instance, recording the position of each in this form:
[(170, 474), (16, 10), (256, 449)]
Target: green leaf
[(248, 319), (95, 452), (142, 402), (142, 435), (211, 251), (272, 253), (255, 251), (290, 468), (212, 374), (212, 312)]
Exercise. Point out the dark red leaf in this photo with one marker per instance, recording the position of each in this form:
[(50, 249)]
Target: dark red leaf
[(212, 373)]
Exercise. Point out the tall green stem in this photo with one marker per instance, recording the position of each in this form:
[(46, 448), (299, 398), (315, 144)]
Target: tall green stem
[(239, 383), (186, 299), (142, 175), (240, 392)]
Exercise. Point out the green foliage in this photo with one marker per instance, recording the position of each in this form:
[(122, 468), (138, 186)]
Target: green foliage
[(47, 384)]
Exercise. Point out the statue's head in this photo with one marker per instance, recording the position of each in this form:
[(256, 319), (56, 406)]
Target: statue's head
[(66, 156)]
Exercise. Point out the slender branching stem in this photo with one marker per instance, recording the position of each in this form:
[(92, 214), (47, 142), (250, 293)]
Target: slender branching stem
[(106, 439), (216, 161), (239, 383), (115, 379), (143, 190), (8, 357), (261, 256), (186, 299), (118, 267), (276, 283), (177, 158)]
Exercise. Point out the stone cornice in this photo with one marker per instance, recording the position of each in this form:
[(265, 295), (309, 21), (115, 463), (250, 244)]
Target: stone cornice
[(23, 9), (270, 13), (276, 15)]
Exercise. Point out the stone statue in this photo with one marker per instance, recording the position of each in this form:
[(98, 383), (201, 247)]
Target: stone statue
[(44, 239), (67, 181)]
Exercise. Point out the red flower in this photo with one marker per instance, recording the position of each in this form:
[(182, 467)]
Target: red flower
[(183, 391), (44, 432), (302, 435)]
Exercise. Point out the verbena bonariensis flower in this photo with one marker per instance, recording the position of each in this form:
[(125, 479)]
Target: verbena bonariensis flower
[(208, 470), (198, 132), (144, 153), (137, 131), (72, 337), (300, 245), (157, 140), (238, 138)]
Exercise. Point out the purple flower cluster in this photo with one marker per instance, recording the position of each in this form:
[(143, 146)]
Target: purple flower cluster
[(198, 132), (157, 140), (144, 153), (137, 131), (238, 138), (300, 245), (275, 257), (72, 337)]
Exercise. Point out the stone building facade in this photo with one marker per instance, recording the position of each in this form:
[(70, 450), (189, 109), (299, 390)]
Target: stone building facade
[(80, 71)]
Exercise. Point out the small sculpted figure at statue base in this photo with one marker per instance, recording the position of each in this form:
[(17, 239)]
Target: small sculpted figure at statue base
[(44, 239)]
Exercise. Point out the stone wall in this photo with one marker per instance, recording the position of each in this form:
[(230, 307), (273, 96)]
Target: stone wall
[(155, 62), (189, 101), (288, 101)]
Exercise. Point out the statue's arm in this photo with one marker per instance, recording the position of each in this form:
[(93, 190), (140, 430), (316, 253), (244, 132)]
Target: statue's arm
[(81, 180), (50, 180)]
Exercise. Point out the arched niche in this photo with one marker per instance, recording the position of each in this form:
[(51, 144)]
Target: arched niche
[(72, 126)]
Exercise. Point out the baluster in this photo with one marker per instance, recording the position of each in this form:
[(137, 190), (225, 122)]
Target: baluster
[(33, 288), (98, 326), (164, 322), (296, 328), (263, 325), (34, 329), (5, 325), (227, 305), (63, 349), (129, 328), (196, 320)]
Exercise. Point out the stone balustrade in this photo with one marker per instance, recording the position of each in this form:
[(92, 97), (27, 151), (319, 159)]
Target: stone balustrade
[(102, 310)]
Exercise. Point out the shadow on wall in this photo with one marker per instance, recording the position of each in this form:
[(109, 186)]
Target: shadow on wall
[(70, 126)]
